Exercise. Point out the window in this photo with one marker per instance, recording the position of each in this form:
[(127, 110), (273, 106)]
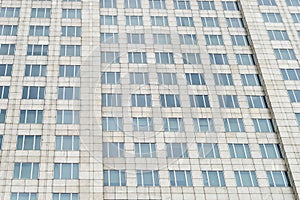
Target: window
[(66, 170), (246, 178), (114, 178), (210, 21), (239, 151), (134, 20), (67, 143), (182, 4), (67, 117), (177, 150), (234, 125), (199, 101), (33, 92), (7, 49), (239, 40), (169, 100), (65, 196), (235, 22), (23, 196), (267, 2), (206, 5), (185, 21), (203, 125), (40, 12), (218, 59), (188, 39), (159, 21), (108, 3), (195, 79), (278, 35), (228, 101), (111, 100), (296, 17), (191, 58), (112, 124), (26, 170), (108, 20), (137, 57), (173, 124), (109, 38), (71, 31), (69, 93), (161, 39), (290, 74), (132, 4), (294, 95), (110, 78), (9, 12), (213, 178), (147, 178), (35, 70), (293, 2), (141, 100), (208, 150), (214, 40), (157, 4), (263, 125), (250, 80), (230, 5), (257, 101), (39, 31), (135, 38), (5, 69), (285, 54), (4, 92), (180, 178), (245, 59), (164, 58), (2, 117), (272, 17), (113, 149), (70, 50), (145, 150), (142, 124), (270, 151), (69, 71), (223, 79), (8, 30), (110, 57), (278, 179), (167, 78), (37, 50), (298, 33), (297, 116), (31, 116), (29, 142), (71, 13), (141, 78)]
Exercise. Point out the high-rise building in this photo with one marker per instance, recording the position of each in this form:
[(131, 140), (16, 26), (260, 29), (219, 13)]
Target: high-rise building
[(149, 99)]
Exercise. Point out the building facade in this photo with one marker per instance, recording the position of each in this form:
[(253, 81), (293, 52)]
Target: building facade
[(149, 99)]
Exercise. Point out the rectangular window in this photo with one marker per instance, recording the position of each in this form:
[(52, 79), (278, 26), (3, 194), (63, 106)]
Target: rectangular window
[(67, 117), (272, 17), (65, 196), (182, 4), (173, 124), (278, 179), (250, 80), (9, 12), (195, 79), (239, 40), (71, 13), (40, 12), (191, 58), (132, 4), (246, 178), (180, 178), (214, 40), (66, 171), (159, 21), (4, 92), (177, 150), (167, 78), (285, 54), (5, 69), (135, 38), (137, 57), (108, 20), (213, 178), (164, 58), (267, 2), (218, 59), (70, 50), (147, 178), (113, 149), (71, 31), (185, 21), (108, 3), (33, 92), (161, 39), (169, 100), (228, 101), (290, 74), (278, 35), (157, 4), (210, 21), (8, 30), (69, 71), (292, 2), (203, 125), (140, 78), (111, 100), (141, 100), (7, 49), (230, 5), (263, 125), (109, 38), (110, 57), (39, 30), (37, 50), (23, 196), (208, 150), (35, 70), (2, 117), (67, 143), (223, 79), (296, 17), (199, 101), (68, 93), (297, 116), (257, 101), (235, 22), (114, 178), (29, 142), (294, 95), (188, 39), (239, 150), (142, 124), (145, 150), (206, 5), (112, 124), (31, 116), (270, 151), (245, 59), (234, 125), (110, 77), (26, 170), (134, 20)]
